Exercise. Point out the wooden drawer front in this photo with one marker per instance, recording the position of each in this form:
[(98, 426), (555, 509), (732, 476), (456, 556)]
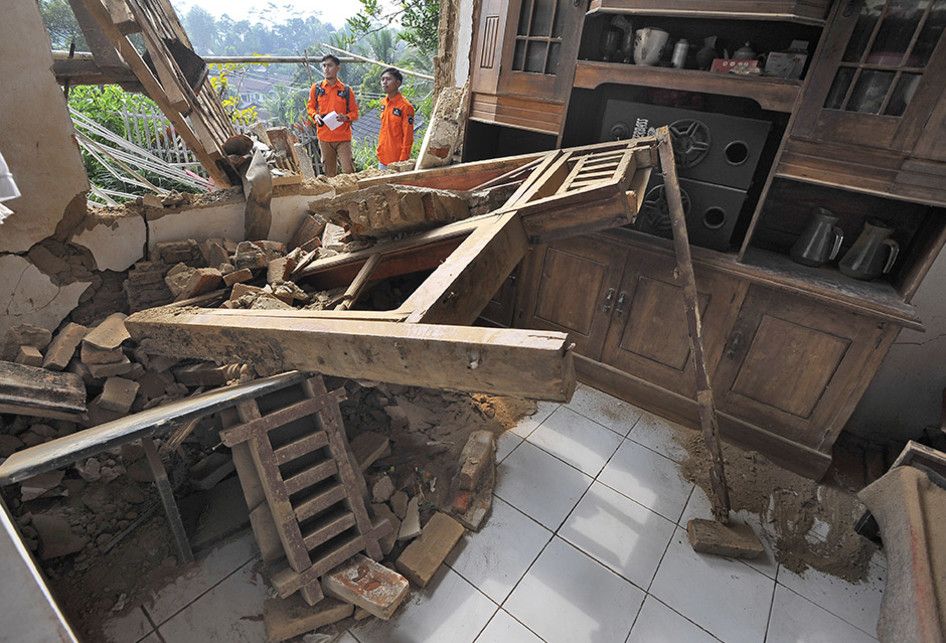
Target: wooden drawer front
[(648, 336), (789, 365), (568, 290)]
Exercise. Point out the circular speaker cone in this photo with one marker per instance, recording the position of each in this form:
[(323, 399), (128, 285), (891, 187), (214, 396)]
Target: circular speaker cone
[(619, 132), (737, 153), (654, 215), (714, 218), (691, 141)]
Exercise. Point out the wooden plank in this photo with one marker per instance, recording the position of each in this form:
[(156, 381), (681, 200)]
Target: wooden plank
[(39, 391), (320, 502), (464, 176), (302, 446), (103, 51), (122, 17), (531, 364), (459, 290), (328, 530), (312, 475), (275, 419), (166, 494)]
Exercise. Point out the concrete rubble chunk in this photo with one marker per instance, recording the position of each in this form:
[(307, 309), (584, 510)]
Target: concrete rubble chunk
[(383, 210), (214, 252), (479, 453), (285, 618), (36, 486), (368, 585), (63, 346), (382, 489), (249, 255), (118, 394), (368, 447), (29, 356), (202, 281), (308, 235), (399, 501), (145, 287), (380, 511), (24, 335), (410, 525), (732, 541), (279, 269), (56, 538), (422, 558), (121, 367), (237, 276), (178, 277), (109, 334), (91, 355), (115, 237), (172, 252)]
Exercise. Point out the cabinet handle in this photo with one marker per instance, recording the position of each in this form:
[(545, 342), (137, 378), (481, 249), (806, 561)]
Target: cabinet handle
[(619, 309), (606, 306)]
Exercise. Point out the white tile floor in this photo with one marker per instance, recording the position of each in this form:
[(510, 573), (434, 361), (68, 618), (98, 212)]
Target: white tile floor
[(586, 542)]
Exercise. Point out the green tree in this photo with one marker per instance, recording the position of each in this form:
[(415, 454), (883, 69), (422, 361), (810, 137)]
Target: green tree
[(61, 23), (420, 21)]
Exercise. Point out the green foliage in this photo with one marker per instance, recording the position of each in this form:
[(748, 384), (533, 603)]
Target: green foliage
[(364, 153), (61, 23), (230, 98), (419, 20)]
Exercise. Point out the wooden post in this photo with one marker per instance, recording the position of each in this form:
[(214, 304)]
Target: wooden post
[(704, 392)]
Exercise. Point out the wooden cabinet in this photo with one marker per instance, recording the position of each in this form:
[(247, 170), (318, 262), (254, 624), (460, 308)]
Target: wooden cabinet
[(805, 11), (871, 92), (787, 369), (790, 365), (523, 62)]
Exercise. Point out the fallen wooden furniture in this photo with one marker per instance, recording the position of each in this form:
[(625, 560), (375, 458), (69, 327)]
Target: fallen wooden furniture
[(141, 426), (420, 343), (30, 390), (305, 493), (908, 503)]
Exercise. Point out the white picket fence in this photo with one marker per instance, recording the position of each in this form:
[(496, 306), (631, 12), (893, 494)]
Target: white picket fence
[(155, 133)]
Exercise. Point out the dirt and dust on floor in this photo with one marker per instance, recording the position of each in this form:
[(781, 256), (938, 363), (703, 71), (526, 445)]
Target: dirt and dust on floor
[(808, 523)]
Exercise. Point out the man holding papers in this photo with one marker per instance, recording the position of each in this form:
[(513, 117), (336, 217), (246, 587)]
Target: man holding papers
[(332, 107)]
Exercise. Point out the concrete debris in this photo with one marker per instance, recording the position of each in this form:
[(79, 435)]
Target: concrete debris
[(382, 511), (39, 485), (387, 209), (399, 502), (291, 617), (29, 356), (308, 236), (382, 489), (108, 335), (145, 287), (118, 394), (56, 538), (63, 346), (171, 253), (367, 584), (24, 335), (410, 525), (368, 447), (423, 557), (237, 277)]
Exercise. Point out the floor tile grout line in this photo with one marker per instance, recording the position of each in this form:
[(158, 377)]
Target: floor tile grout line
[(666, 549), (619, 492), (768, 621), (526, 573), (524, 514), (684, 617), (623, 435), (488, 621), (205, 592), (636, 616), (873, 636), (154, 628)]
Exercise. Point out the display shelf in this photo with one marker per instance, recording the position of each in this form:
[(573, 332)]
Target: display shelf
[(775, 94), (810, 12)]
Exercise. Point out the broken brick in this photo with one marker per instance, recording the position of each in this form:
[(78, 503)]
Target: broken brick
[(279, 269), (381, 511), (308, 235), (237, 276), (91, 355), (118, 394), (63, 346), (368, 585), (99, 371), (109, 334), (422, 558), (249, 255), (29, 356), (399, 503), (201, 281), (478, 453), (382, 489), (410, 525)]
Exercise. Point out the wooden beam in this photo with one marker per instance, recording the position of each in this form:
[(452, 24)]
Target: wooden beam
[(29, 390), (527, 363), (463, 176), (459, 290), (87, 72)]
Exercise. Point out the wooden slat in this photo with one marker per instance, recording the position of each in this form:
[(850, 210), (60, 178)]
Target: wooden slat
[(300, 447), (325, 532), (320, 502), (287, 581), (276, 419), (310, 476)]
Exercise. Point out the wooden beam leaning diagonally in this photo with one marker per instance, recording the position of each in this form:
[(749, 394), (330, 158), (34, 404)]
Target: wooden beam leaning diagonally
[(527, 363), (153, 87)]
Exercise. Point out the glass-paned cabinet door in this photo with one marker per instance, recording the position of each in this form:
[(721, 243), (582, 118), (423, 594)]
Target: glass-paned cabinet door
[(878, 77), (539, 36)]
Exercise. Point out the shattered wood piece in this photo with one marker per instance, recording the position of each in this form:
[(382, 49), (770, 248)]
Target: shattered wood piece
[(368, 585), (207, 374), (63, 346), (308, 235), (732, 540), (118, 394), (99, 371), (286, 618), (237, 277), (109, 334), (410, 525), (480, 360), (29, 356), (423, 557), (28, 390), (369, 447), (478, 455)]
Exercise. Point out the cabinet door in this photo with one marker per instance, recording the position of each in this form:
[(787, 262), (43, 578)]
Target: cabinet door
[(789, 365), (648, 336), (501, 306), (540, 50), (572, 288), (488, 52), (878, 76)]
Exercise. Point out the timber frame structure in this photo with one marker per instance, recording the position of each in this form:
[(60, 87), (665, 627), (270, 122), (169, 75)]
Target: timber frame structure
[(427, 341)]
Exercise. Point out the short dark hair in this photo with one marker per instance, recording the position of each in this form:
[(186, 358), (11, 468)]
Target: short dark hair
[(395, 73), (331, 57)]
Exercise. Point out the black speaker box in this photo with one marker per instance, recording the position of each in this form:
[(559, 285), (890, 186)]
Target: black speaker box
[(715, 148), (711, 212)]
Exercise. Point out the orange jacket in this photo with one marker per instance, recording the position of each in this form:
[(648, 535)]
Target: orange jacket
[(397, 130), (338, 98)]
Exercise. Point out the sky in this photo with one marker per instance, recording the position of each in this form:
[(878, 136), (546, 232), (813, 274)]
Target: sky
[(333, 11)]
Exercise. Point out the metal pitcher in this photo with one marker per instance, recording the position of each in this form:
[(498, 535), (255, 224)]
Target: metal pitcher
[(821, 240), (873, 254)]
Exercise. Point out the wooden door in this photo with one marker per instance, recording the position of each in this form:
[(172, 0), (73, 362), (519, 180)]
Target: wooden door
[(790, 367), (541, 48), (488, 51), (571, 286), (879, 74), (648, 336)]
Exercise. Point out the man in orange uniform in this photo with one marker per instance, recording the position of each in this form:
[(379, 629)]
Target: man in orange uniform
[(325, 97), (397, 121)]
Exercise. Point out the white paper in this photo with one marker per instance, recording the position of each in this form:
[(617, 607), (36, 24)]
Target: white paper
[(331, 120)]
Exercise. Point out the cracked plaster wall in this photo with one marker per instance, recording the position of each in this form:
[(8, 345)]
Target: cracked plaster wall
[(35, 134), (906, 395)]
